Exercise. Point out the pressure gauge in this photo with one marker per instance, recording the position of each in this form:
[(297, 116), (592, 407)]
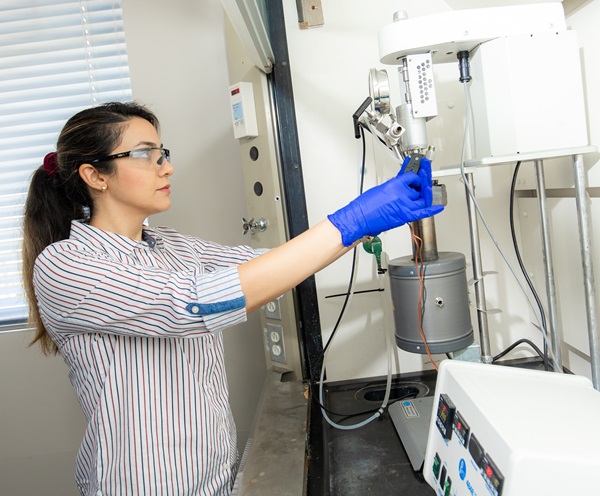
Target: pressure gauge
[(379, 90)]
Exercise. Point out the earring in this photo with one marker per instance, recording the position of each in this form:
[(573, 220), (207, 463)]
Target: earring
[(104, 187)]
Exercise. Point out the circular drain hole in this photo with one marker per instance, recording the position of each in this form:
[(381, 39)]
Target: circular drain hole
[(396, 393)]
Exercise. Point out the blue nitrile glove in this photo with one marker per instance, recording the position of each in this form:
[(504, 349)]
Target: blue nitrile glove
[(425, 174), (391, 204)]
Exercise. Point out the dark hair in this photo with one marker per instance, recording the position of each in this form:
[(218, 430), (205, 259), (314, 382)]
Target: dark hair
[(58, 196)]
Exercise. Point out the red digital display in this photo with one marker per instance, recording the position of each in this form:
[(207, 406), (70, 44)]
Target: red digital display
[(461, 428)]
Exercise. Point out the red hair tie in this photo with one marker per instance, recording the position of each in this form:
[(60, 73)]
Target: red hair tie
[(51, 164)]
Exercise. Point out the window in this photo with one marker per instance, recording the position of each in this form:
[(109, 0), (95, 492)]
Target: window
[(56, 58)]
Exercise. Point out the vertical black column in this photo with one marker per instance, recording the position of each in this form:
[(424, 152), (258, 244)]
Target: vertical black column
[(280, 79)]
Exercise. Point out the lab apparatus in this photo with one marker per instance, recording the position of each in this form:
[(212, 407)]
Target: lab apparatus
[(520, 66)]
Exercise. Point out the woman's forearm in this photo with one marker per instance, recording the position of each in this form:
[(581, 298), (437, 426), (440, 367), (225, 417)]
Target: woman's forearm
[(279, 270)]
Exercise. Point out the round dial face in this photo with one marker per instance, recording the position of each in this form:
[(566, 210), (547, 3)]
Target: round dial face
[(379, 89)]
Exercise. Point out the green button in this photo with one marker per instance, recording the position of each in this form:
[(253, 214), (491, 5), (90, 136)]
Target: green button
[(437, 463)]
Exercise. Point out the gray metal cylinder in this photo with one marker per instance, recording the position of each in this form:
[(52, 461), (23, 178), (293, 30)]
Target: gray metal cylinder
[(446, 318), (415, 129)]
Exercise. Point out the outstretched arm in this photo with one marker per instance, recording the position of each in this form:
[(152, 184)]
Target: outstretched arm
[(403, 199), (266, 277)]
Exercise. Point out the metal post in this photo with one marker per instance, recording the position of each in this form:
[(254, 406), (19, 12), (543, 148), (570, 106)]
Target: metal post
[(554, 326), (478, 286), (425, 230), (585, 240)]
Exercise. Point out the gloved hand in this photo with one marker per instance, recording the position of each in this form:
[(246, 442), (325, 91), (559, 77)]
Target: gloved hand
[(404, 198), (425, 175)]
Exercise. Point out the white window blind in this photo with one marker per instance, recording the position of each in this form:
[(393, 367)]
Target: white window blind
[(56, 58)]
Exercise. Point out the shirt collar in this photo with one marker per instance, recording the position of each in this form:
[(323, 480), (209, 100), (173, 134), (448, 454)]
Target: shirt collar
[(109, 241)]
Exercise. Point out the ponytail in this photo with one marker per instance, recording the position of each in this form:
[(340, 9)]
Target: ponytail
[(47, 219)]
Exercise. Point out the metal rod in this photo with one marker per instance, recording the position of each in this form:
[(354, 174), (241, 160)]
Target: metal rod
[(478, 286), (555, 330), (425, 230), (585, 240)]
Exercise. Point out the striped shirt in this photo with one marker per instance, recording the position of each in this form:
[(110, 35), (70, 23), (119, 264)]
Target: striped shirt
[(138, 323)]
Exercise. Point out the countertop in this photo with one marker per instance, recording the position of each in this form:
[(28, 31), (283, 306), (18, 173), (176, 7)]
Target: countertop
[(273, 462)]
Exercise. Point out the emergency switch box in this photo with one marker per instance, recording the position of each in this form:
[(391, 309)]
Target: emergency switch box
[(243, 111)]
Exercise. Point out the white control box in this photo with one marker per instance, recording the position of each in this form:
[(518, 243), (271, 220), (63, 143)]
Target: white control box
[(243, 111), (506, 431)]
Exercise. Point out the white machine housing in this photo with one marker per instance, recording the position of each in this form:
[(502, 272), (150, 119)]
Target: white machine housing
[(527, 95), (526, 89), (446, 33), (513, 432)]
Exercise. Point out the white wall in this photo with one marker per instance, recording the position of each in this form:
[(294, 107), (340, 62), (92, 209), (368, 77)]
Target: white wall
[(178, 67), (41, 424), (330, 68)]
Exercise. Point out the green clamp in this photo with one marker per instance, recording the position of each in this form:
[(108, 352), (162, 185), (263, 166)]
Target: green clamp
[(374, 246)]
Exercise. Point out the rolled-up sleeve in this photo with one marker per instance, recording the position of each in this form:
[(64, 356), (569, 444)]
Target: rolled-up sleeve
[(220, 301)]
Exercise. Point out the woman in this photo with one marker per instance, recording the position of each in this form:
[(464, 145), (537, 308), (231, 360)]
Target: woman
[(136, 311)]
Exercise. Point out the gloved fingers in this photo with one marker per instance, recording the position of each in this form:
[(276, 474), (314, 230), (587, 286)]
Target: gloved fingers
[(426, 180), (423, 184), (427, 192), (408, 184), (425, 166), (418, 204), (409, 178), (425, 175)]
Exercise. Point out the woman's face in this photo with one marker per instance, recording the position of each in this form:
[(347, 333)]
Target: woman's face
[(140, 185)]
